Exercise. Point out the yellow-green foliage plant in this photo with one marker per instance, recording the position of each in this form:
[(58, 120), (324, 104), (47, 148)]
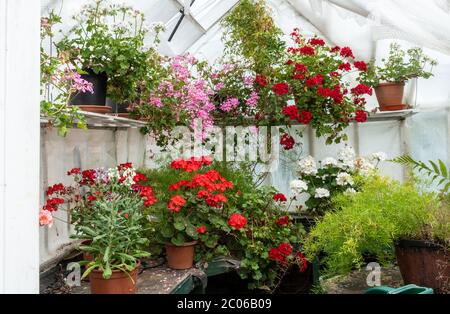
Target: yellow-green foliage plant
[(368, 223)]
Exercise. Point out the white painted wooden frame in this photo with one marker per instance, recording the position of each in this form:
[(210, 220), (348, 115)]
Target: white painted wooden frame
[(19, 145)]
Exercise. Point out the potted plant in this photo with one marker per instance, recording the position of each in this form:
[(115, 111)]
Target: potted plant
[(197, 194), (106, 209), (107, 44), (389, 79)]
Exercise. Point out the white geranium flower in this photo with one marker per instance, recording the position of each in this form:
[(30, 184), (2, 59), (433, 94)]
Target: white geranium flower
[(346, 157), (363, 165), (329, 161), (379, 156), (344, 178), (321, 193), (307, 166), (298, 186)]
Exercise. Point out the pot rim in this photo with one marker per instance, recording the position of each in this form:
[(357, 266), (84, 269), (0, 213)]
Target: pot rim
[(407, 243), (115, 271), (191, 243), (391, 84)]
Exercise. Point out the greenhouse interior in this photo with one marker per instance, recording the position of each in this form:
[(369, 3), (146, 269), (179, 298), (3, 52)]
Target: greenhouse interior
[(225, 147)]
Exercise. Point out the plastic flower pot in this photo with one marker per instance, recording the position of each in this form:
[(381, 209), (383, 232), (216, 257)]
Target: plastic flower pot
[(180, 257), (390, 95), (119, 283), (95, 102), (120, 110), (424, 264)]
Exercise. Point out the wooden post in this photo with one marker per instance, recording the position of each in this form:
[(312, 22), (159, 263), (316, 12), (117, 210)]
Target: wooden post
[(19, 145)]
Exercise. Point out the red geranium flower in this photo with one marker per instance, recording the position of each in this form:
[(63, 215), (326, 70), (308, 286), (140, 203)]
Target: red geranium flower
[(261, 80), (290, 111), (301, 261), (91, 198), (280, 88), (347, 52), (345, 66), (315, 80), (361, 116), (175, 203), (126, 165), (316, 42), (275, 255), (139, 177), (73, 171), (304, 117), (306, 50), (237, 221), (201, 229), (284, 220), (360, 65), (279, 197), (285, 248), (287, 141), (361, 89), (335, 49)]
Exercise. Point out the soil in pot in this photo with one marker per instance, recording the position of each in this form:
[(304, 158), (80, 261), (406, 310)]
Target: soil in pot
[(181, 257), (119, 283), (390, 95), (98, 98), (424, 264)]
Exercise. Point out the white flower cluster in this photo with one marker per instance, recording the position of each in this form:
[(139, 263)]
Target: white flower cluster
[(298, 186), (346, 157), (379, 156), (344, 178), (128, 174), (321, 193), (363, 165), (307, 166), (329, 161)]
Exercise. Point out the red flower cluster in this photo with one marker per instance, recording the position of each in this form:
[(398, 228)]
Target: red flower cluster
[(280, 253), (88, 177), (213, 200), (237, 221), (334, 93), (175, 203), (279, 197), (299, 71), (360, 65), (146, 192), (346, 52), (301, 261), (360, 116), (290, 111), (261, 80), (345, 66), (316, 42), (284, 220), (306, 50), (57, 188), (127, 165), (139, 177), (280, 88), (73, 171), (361, 89), (192, 164), (304, 117), (287, 141), (315, 80), (201, 229), (53, 203)]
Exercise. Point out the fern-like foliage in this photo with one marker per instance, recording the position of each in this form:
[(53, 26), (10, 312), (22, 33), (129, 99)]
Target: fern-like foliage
[(436, 170)]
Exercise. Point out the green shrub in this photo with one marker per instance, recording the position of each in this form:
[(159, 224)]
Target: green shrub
[(369, 222)]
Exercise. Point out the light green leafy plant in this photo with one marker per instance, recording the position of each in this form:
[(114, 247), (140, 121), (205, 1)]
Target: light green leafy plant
[(369, 222), (396, 68)]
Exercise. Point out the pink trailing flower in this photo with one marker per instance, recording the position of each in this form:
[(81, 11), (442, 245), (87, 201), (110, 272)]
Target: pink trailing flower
[(219, 86), (45, 218), (156, 101), (78, 82), (229, 104), (248, 81), (228, 67), (252, 101)]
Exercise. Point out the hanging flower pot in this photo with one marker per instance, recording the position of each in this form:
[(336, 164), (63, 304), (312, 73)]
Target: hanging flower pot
[(390, 95), (180, 257), (423, 263), (120, 282), (96, 101)]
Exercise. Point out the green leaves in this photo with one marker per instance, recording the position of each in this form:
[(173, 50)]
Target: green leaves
[(433, 170)]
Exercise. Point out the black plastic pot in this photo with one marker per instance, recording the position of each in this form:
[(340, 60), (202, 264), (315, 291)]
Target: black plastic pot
[(98, 98), (424, 263), (117, 108)]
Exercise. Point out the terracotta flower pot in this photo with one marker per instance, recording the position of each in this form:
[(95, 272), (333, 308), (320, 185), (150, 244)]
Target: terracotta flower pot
[(181, 257), (390, 95), (119, 282), (424, 264)]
